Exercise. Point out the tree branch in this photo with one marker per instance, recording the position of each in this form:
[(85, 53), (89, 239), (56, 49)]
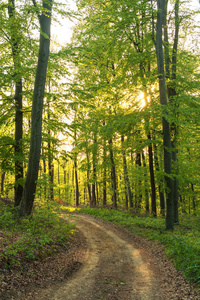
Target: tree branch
[(35, 5)]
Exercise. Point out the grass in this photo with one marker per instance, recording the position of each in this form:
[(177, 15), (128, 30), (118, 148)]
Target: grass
[(182, 245), (31, 238)]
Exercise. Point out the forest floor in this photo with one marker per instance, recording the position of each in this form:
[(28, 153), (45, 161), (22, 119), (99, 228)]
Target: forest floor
[(103, 261)]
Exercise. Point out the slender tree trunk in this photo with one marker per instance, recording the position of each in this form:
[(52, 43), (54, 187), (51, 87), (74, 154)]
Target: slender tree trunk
[(152, 177), (75, 165), (88, 178), (172, 99), (126, 178), (150, 153), (94, 179), (76, 181), (18, 107), (104, 172), (161, 193), (73, 196), (193, 199), (51, 171), (165, 123), (18, 143), (28, 196), (44, 171), (146, 188), (104, 185), (58, 179), (97, 193), (64, 172), (138, 193), (2, 181), (171, 88), (113, 175), (50, 160)]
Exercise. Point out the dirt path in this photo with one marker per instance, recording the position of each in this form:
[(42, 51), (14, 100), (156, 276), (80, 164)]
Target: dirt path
[(114, 266), (102, 261)]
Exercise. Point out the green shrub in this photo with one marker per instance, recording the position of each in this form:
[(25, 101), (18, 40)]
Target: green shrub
[(29, 236)]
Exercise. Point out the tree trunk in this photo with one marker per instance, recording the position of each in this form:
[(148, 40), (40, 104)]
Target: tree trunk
[(50, 164), (104, 172), (113, 175), (152, 177), (59, 179), (138, 193), (76, 181), (146, 187), (18, 143), (88, 178), (171, 88), (94, 179), (28, 196), (165, 123), (18, 107), (193, 199), (50, 152), (104, 184), (161, 193), (51, 170), (126, 178), (44, 172), (2, 181)]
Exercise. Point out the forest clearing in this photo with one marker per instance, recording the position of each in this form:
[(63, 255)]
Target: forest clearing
[(107, 125)]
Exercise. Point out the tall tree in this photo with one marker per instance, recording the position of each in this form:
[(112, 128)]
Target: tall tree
[(28, 195), (15, 40), (165, 122), (171, 74), (126, 177)]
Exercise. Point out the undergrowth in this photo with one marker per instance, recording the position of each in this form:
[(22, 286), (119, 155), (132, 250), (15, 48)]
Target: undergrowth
[(182, 245), (30, 238)]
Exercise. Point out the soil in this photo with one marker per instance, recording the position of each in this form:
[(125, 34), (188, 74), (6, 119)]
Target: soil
[(106, 261)]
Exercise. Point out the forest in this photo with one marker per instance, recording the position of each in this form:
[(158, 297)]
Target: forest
[(110, 119), (118, 110)]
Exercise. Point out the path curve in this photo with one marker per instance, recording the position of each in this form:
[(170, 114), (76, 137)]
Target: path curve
[(111, 269)]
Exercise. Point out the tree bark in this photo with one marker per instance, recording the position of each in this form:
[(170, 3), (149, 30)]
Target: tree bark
[(76, 181), (113, 175), (28, 195), (152, 177), (161, 193), (193, 199), (171, 88), (104, 172), (2, 182), (165, 123), (146, 186), (94, 179), (50, 152), (138, 193), (126, 178), (88, 178)]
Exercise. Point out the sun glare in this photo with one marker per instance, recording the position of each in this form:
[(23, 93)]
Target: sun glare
[(141, 100)]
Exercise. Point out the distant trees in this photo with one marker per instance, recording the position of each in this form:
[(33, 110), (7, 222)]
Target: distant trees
[(115, 64)]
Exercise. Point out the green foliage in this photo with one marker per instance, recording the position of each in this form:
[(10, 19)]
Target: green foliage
[(33, 237), (182, 245)]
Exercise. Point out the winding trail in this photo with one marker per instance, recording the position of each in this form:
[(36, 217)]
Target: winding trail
[(102, 261), (111, 269)]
